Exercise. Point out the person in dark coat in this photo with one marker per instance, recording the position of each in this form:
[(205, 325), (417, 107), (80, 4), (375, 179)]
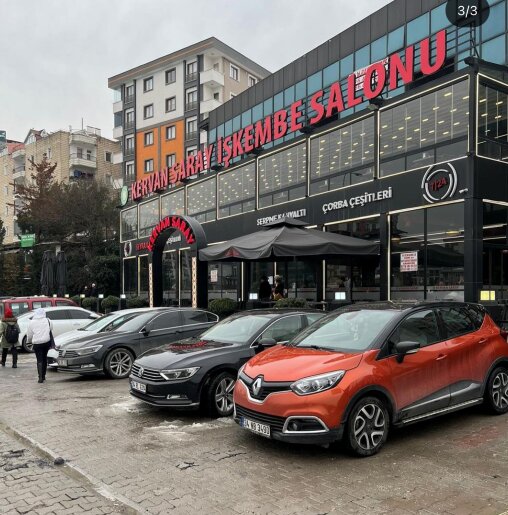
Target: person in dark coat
[(265, 290), (9, 320), (278, 291), (93, 290)]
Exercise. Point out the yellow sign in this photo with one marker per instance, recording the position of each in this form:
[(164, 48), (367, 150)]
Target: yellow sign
[(486, 295)]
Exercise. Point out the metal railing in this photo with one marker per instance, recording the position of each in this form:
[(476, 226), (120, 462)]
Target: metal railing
[(189, 106), (189, 77)]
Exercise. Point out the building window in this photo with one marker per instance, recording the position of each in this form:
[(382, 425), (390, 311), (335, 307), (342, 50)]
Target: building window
[(234, 72), (191, 151), (191, 71), (252, 81), (129, 119), (170, 104), (107, 157), (173, 204), (6, 190), (148, 111), (89, 155), (171, 132), (148, 138), (237, 191), (283, 176), (129, 224), (171, 76), (216, 96), (130, 277), (425, 130), (48, 153), (129, 145), (129, 93), (148, 84), (342, 157), (129, 172), (201, 200), (191, 99), (191, 128), (79, 153), (170, 160), (149, 216), (148, 165), (492, 123)]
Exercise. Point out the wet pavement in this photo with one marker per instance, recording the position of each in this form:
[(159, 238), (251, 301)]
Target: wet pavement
[(129, 457)]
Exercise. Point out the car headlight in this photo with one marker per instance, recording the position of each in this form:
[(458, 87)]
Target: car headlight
[(85, 351), (316, 384), (177, 374)]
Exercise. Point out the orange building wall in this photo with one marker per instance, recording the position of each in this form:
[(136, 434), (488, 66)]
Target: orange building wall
[(160, 148)]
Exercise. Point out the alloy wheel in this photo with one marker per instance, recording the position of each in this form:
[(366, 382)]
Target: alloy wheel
[(369, 426), (120, 363), (224, 396), (500, 390)]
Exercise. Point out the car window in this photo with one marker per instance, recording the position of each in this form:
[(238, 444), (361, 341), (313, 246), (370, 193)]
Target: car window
[(476, 314), (166, 320), (456, 321), (137, 323), (312, 317), (419, 327), (19, 307), (61, 314), (63, 303), (211, 317), (41, 304), (77, 314), (194, 317), (236, 329), (284, 329)]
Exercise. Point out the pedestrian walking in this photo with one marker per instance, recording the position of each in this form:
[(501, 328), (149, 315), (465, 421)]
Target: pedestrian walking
[(40, 334), (93, 290), (9, 336)]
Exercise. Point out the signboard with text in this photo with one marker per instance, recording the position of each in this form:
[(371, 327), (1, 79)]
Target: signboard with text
[(409, 261)]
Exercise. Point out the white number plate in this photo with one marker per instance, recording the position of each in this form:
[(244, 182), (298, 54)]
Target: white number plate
[(255, 427), (140, 387), (62, 362)]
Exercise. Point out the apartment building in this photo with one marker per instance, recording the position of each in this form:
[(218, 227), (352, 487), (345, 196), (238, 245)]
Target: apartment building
[(79, 154), (159, 105)]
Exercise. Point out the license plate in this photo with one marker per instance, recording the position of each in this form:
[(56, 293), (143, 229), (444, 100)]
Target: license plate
[(140, 387), (62, 362), (255, 427)]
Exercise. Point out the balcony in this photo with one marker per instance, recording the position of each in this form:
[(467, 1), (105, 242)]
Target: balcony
[(212, 78), (128, 99), (81, 160), (128, 152), (117, 107), (189, 106), (19, 154), (189, 77), (209, 105), (191, 135), (82, 138), (18, 173), (118, 132), (128, 124)]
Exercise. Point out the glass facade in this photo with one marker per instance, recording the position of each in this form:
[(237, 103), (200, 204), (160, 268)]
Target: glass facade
[(129, 224), (492, 122), (130, 277), (143, 276), (173, 203), (149, 216), (224, 280), (201, 200), (237, 191), (283, 176)]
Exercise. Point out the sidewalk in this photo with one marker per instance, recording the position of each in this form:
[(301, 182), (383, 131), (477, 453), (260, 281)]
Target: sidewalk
[(32, 485)]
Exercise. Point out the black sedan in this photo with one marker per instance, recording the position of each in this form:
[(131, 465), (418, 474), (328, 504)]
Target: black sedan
[(115, 351), (202, 371)]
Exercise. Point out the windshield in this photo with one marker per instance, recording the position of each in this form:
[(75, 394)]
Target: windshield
[(349, 331), (107, 322), (137, 322), (236, 330)]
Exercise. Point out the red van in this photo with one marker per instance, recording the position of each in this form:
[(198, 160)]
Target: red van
[(20, 305)]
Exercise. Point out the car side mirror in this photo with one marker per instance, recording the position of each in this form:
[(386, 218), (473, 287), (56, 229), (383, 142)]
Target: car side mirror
[(146, 330), (266, 342), (403, 348)]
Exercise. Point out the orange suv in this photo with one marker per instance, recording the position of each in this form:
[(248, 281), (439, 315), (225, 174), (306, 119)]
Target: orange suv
[(361, 369)]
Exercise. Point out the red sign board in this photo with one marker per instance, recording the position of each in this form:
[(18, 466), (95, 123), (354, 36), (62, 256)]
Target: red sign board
[(171, 222), (362, 85)]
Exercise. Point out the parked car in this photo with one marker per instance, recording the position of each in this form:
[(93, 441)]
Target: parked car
[(20, 305), (64, 319), (102, 324), (360, 370), (202, 371), (114, 352)]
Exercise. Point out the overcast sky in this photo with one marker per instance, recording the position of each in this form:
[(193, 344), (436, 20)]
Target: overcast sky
[(58, 54)]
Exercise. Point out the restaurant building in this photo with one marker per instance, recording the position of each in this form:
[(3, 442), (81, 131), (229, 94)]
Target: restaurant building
[(394, 131)]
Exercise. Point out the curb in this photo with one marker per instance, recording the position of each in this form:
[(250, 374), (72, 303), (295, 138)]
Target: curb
[(128, 507)]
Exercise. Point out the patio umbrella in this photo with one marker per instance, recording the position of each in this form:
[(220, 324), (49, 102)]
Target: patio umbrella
[(45, 272), (287, 238), (61, 273)]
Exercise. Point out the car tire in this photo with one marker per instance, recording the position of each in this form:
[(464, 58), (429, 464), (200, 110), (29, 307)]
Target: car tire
[(496, 393), (27, 347), (367, 427), (219, 395), (118, 363)]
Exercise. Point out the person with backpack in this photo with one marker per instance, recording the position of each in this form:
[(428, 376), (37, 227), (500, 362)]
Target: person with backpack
[(39, 333), (9, 337)]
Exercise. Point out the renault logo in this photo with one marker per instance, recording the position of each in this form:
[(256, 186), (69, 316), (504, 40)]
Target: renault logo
[(256, 386), (141, 371)]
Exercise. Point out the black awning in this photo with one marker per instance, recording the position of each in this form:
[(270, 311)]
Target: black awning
[(286, 238)]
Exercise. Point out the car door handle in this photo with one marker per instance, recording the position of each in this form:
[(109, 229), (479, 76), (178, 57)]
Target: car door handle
[(441, 357)]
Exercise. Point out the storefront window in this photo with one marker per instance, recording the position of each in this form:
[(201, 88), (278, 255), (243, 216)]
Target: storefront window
[(170, 278), (129, 224), (492, 123), (173, 203), (355, 278), (427, 257), (149, 216), (237, 191), (201, 200), (257, 271), (130, 277), (143, 277), (299, 278), (411, 132), (342, 157), (223, 280), (283, 176)]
